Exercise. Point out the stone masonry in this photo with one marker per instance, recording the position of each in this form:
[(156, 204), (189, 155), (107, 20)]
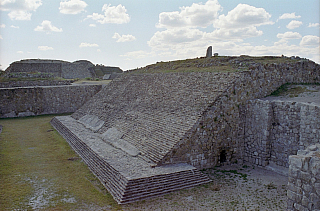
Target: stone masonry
[(304, 180), (57, 68), (274, 130), (30, 101), (197, 118)]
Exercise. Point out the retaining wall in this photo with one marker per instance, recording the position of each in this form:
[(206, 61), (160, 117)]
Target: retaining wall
[(274, 130), (304, 180), (11, 84), (17, 102)]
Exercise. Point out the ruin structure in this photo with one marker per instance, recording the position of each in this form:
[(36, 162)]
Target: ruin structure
[(44, 68), (144, 127), (146, 134), (209, 52)]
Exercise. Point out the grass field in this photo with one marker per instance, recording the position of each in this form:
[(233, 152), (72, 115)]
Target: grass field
[(38, 170)]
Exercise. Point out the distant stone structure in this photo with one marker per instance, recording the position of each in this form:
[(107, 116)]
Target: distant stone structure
[(32, 101), (42, 68), (209, 52)]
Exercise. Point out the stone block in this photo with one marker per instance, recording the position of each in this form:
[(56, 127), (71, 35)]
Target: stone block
[(296, 161), (317, 188), (91, 122)]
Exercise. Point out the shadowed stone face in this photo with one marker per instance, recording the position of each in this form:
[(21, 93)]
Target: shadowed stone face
[(209, 52)]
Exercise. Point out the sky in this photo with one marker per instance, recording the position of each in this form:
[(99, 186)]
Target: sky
[(130, 34)]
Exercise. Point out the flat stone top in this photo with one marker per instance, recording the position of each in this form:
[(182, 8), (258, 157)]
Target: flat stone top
[(309, 94), (129, 166), (47, 87)]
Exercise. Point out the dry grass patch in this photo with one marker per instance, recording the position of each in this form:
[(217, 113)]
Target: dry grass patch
[(36, 171)]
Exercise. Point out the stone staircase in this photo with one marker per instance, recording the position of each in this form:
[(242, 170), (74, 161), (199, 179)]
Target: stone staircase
[(143, 180)]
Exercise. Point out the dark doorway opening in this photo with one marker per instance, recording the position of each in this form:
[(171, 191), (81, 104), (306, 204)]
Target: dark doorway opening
[(223, 156)]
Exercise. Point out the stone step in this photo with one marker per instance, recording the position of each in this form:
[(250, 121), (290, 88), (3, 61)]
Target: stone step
[(116, 178)]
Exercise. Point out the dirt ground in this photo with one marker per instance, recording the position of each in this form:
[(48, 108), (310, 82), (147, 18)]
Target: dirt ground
[(232, 188)]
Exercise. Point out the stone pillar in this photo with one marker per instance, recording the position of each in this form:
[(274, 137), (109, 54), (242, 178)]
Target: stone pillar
[(209, 52), (304, 180)]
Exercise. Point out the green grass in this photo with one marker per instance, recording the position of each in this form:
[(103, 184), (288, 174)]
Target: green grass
[(286, 89), (217, 64), (35, 162)]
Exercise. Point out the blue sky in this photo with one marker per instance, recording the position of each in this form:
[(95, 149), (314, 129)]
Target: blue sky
[(131, 34)]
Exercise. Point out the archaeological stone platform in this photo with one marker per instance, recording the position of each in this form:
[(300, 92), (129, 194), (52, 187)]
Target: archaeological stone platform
[(171, 120), (126, 175)]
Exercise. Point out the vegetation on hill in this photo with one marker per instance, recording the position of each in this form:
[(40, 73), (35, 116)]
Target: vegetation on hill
[(212, 64)]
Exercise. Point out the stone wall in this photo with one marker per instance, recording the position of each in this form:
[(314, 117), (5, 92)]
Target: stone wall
[(274, 130), (304, 180), (11, 84), (219, 135), (78, 69), (52, 68), (56, 68), (18, 102)]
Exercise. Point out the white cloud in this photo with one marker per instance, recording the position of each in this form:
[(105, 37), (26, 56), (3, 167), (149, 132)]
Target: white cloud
[(197, 15), (1, 37), (289, 16), (44, 48), (289, 35), (2, 26), (294, 24), (310, 40), (241, 22), (20, 52), (46, 26), (313, 25), (188, 41), (20, 9), (15, 27), (243, 15), (72, 7), (84, 45), (123, 38), (92, 25), (171, 37), (112, 14)]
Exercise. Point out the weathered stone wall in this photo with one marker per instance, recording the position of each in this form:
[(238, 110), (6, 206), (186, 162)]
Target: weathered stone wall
[(11, 84), (52, 68), (219, 136), (258, 121), (78, 69), (304, 180), (56, 68), (274, 130), (17, 102)]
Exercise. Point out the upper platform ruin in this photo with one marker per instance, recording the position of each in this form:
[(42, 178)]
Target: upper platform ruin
[(45, 68)]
